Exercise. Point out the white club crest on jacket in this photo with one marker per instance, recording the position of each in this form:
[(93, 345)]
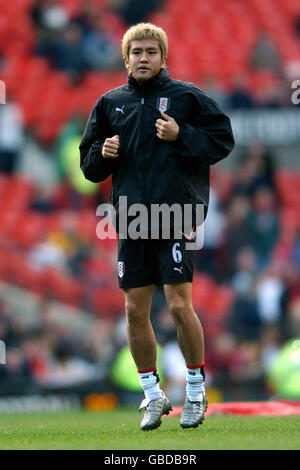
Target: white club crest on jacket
[(163, 104)]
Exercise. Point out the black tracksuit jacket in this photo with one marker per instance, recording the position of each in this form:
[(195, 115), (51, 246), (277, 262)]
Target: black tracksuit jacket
[(149, 170)]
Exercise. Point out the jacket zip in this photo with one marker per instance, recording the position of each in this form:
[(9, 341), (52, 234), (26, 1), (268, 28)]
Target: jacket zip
[(113, 190), (142, 101)]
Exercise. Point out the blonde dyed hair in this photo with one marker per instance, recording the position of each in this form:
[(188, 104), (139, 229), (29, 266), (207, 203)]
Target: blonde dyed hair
[(145, 31)]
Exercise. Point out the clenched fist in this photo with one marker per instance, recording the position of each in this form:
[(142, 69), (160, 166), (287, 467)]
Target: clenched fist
[(110, 147), (167, 128)]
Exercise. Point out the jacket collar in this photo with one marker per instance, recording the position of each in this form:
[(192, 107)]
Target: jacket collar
[(154, 82)]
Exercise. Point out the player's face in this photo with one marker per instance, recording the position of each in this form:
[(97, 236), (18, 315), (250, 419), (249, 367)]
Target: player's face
[(144, 59)]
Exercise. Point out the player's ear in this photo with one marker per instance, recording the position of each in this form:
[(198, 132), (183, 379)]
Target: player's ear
[(163, 64), (126, 63)]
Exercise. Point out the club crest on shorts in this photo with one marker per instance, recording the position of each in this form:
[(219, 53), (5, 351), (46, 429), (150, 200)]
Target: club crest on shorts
[(163, 104), (121, 268)]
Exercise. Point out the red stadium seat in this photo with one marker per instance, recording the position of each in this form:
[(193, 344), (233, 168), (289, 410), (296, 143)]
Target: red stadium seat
[(287, 183), (29, 229), (21, 273), (4, 264), (108, 302), (59, 285), (18, 194), (8, 221)]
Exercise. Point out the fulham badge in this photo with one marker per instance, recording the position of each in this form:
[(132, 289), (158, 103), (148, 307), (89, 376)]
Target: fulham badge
[(121, 268), (163, 104)]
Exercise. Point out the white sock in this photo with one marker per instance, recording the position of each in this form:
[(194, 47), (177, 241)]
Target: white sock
[(149, 381), (195, 378)]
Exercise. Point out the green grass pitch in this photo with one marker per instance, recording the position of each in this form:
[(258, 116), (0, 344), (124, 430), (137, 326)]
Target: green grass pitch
[(119, 430)]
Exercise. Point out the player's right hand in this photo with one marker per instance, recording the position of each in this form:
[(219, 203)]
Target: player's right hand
[(110, 147)]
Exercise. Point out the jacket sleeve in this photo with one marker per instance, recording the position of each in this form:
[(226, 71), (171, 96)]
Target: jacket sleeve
[(95, 167), (208, 135)]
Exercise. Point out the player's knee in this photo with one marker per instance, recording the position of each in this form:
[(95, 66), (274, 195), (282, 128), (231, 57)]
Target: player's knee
[(134, 312), (180, 312), (131, 309)]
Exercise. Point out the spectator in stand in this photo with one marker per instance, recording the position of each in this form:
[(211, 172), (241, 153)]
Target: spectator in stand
[(51, 19), (78, 45), (246, 374), (296, 252), (240, 96), (67, 368), (270, 295), (74, 245), (47, 254), (237, 234), (100, 47), (65, 52), (276, 95), (44, 200), (243, 279), (263, 225), (291, 304), (38, 348), (265, 167), (293, 318), (245, 175), (134, 11), (270, 344), (87, 17), (256, 169), (206, 260), (11, 135), (244, 321), (7, 333), (265, 54), (213, 88), (49, 16), (16, 367)]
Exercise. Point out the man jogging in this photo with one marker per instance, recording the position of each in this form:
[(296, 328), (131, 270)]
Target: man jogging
[(157, 137)]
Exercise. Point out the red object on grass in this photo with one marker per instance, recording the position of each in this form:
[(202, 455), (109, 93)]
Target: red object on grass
[(258, 408)]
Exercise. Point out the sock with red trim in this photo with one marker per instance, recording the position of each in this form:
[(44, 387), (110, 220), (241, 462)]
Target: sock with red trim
[(149, 381), (195, 377)]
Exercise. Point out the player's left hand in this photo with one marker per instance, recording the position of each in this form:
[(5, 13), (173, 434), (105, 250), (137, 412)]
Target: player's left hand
[(167, 128)]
